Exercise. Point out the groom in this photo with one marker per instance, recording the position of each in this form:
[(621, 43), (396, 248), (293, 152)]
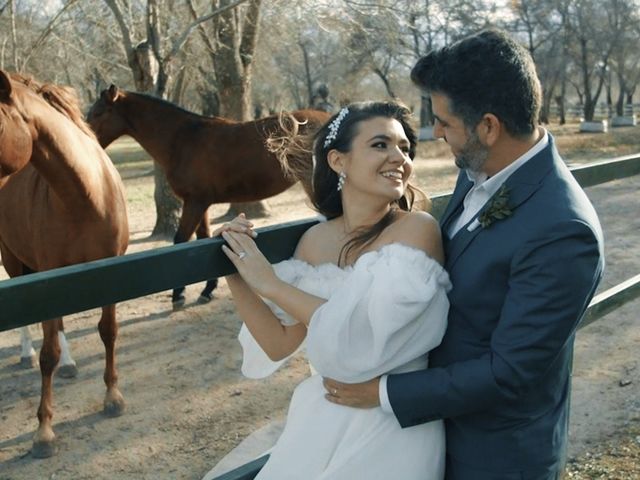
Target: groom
[(524, 252)]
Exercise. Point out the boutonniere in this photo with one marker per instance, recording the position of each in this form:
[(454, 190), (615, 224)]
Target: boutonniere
[(498, 208)]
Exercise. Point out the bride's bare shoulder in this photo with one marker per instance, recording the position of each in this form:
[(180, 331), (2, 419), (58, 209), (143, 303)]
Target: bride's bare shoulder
[(419, 230), (318, 244)]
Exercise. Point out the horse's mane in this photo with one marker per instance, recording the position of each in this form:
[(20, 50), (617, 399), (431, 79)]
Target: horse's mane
[(64, 99)]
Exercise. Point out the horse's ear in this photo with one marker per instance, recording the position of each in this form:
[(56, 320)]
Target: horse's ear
[(112, 93), (5, 86)]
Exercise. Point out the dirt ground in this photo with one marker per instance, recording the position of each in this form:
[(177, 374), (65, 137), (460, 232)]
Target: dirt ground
[(188, 405)]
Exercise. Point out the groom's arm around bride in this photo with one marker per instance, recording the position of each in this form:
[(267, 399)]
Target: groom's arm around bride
[(524, 252)]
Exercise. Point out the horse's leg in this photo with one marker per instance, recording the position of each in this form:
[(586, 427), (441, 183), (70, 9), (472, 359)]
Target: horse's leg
[(192, 213), (204, 231), (108, 328), (27, 352), (43, 441), (67, 367)]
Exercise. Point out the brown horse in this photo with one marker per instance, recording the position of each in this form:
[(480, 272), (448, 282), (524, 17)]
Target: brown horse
[(61, 203), (206, 160)]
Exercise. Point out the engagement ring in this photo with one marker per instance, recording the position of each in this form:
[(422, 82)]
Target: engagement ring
[(334, 392), (241, 255)]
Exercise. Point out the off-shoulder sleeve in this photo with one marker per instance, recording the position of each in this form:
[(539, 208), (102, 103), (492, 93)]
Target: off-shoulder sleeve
[(255, 362), (391, 310)]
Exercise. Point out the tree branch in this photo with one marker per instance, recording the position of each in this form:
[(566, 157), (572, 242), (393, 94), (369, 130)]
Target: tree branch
[(250, 33), (124, 30), (45, 33), (177, 45)]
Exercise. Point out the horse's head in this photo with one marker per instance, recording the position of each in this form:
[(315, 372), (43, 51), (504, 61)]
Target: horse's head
[(104, 117), (15, 130)]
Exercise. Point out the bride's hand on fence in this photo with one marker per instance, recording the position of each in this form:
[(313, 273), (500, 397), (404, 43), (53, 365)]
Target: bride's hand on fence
[(251, 264), (240, 224)]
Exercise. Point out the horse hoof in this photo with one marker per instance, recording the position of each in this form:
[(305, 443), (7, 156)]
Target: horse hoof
[(67, 371), (205, 298), (28, 363), (43, 449), (113, 409), (178, 303)]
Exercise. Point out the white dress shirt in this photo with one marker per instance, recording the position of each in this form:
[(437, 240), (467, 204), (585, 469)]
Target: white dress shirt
[(483, 189)]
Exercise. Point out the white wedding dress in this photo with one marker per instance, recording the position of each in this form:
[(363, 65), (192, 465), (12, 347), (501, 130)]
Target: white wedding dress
[(383, 314)]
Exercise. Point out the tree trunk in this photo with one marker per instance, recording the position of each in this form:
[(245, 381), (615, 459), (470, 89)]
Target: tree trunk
[(622, 88), (620, 104), (307, 71), (546, 107), (589, 109), (168, 206), (561, 113), (14, 41), (426, 112), (385, 80)]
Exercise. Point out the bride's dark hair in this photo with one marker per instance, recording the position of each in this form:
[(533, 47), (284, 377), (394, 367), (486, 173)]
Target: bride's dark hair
[(304, 157)]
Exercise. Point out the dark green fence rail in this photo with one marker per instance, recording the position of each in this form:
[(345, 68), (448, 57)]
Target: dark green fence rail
[(609, 300), (40, 296)]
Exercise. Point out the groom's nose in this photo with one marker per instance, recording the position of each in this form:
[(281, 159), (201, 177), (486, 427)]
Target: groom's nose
[(438, 131)]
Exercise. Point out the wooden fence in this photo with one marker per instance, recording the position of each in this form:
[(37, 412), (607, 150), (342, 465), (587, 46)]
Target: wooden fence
[(39, 296)]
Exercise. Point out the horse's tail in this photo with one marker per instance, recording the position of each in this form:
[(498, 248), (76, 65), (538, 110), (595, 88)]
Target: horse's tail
[(294, 150)]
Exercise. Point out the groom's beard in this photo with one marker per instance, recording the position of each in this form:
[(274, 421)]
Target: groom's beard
[(473, 154)]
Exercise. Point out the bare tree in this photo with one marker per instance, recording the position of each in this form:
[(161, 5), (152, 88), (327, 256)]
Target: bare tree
[(402, 32), (28, 37), (625, 63), (14, 38), (595, 28), (542, 31)]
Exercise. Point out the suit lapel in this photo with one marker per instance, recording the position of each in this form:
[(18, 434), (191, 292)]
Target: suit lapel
[(463, 185), (521, 184)]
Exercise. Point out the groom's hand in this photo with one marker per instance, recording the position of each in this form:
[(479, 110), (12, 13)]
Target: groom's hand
[(358, 395)]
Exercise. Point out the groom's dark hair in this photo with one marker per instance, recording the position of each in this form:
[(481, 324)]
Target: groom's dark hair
[(484, 73)]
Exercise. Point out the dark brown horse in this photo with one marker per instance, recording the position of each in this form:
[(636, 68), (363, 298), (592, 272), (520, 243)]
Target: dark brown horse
[(206, 160), (61, 203)]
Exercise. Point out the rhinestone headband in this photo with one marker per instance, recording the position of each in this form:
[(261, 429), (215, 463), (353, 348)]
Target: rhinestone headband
[(334, 126)]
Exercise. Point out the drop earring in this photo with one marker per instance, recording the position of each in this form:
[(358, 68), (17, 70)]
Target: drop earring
[(341, 178)]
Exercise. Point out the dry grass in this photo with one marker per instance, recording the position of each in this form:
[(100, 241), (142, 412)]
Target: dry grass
[(617, 459)]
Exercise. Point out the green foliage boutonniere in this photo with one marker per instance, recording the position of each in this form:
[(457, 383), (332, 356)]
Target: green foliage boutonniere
[(498, 208)]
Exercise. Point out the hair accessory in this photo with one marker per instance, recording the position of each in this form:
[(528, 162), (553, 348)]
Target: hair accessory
[(334, 126), (341, 178)]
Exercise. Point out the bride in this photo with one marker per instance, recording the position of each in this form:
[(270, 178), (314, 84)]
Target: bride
[(365, 291)]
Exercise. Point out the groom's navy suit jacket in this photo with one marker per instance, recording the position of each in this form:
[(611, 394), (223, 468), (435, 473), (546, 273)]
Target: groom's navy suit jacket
[(501, 376)]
